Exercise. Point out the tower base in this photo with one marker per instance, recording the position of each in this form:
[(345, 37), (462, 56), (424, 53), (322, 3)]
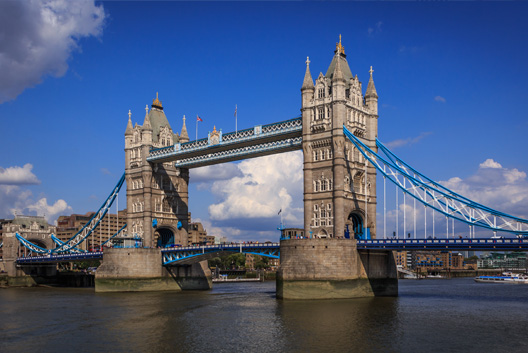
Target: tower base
[(334, 268), (139, 270)]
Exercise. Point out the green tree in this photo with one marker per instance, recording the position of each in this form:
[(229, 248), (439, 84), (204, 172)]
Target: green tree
[(261, 262), (234, 261), (215, 262)]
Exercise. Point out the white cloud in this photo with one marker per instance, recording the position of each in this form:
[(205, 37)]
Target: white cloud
[(267, 185), (16, 200), (41, 208), (408, 141), (37, 38), (494, 186), (18, 175), (490, 163), (214, 172), (251, 193), (440, 99)]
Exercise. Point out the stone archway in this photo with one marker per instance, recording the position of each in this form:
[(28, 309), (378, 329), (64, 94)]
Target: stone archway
[(322, 233), (354, 226), (164, 237)]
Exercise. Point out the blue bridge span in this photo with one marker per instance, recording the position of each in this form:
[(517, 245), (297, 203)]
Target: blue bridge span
[(192, 254)]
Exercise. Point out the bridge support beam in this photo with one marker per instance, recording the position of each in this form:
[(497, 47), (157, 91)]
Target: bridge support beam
[(139, 270), (334, 268)]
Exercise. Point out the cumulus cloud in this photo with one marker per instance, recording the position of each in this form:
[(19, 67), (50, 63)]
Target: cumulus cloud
[(500, 188), (490, 163), (214, 172), (408, 141), (16, 200), (262, 187), (18, 175), (440, 99), (37, 38)]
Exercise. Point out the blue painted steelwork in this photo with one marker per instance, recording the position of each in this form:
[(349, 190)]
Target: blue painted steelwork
[(59, 242), (55, 258), (487, 244), (190, 254), (85, 231), (248, 143), (435, 196)]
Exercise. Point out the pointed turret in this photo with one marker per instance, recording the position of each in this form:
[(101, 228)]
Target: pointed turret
[(371, 89), (338, 72), (184, 137), (128, 130), (308, 81), (146, 123), (371, 96)]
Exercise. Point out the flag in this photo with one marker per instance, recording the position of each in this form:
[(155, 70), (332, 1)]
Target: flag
[(198, 118), (235, 111), (279, 211)]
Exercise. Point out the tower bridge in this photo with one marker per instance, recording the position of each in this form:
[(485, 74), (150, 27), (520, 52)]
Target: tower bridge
[(345, 256)]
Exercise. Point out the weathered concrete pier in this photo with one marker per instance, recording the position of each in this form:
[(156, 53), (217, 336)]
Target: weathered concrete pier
[(334, 268), (140, 269)]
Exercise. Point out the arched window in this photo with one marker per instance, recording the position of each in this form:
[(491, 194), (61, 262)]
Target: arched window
[(323, 154)]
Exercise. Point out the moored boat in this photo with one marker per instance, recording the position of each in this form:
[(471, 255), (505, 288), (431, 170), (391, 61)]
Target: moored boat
[(506, 277)]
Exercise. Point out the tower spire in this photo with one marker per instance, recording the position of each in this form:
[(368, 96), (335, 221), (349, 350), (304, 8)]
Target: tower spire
[(184, 137), (128, 130), (308, 81), (338, 72), (371, 89), (146, 122)]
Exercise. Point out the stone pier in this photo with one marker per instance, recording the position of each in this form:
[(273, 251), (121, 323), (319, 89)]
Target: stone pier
[(138, 270), (334, 268)]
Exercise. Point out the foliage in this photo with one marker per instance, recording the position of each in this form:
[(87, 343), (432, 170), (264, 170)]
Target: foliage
[(261, 262)]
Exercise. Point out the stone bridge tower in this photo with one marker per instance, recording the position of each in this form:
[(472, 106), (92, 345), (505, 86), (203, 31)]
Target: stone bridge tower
[(339, 189), (157, 194)]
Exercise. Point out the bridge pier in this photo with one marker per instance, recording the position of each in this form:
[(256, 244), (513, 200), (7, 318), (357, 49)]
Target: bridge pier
[(334, 268), (139, 270)]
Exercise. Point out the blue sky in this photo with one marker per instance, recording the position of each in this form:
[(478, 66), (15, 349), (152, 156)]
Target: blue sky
[(451, 80)]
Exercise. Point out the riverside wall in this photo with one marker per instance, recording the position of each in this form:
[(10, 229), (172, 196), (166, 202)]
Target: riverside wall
[(334, 268)]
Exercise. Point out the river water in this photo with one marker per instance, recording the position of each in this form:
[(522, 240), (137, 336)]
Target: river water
[(456, 315)]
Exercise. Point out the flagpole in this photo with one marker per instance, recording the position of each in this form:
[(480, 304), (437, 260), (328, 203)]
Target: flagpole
[(196, 127), (236, 121)]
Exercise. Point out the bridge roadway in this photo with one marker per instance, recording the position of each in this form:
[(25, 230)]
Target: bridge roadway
[(190, 254), (260, 140)]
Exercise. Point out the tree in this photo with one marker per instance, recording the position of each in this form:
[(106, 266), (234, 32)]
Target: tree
[(261, 262)]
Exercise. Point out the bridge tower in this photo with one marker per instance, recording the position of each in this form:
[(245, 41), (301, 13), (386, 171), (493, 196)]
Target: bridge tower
[(157, 193), (339, 188), (339, 194)]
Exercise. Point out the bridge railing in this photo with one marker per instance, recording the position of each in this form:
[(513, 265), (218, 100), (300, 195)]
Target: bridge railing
[(259, 131)]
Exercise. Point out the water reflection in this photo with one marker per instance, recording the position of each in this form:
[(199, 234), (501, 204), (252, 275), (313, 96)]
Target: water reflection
[(448, 315)]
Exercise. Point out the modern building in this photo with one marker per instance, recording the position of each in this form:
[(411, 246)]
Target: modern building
[(424, 261), (510, 261), (197, 235), (68, 226)]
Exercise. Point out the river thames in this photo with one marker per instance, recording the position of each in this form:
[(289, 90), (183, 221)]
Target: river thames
[(434, 315)]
